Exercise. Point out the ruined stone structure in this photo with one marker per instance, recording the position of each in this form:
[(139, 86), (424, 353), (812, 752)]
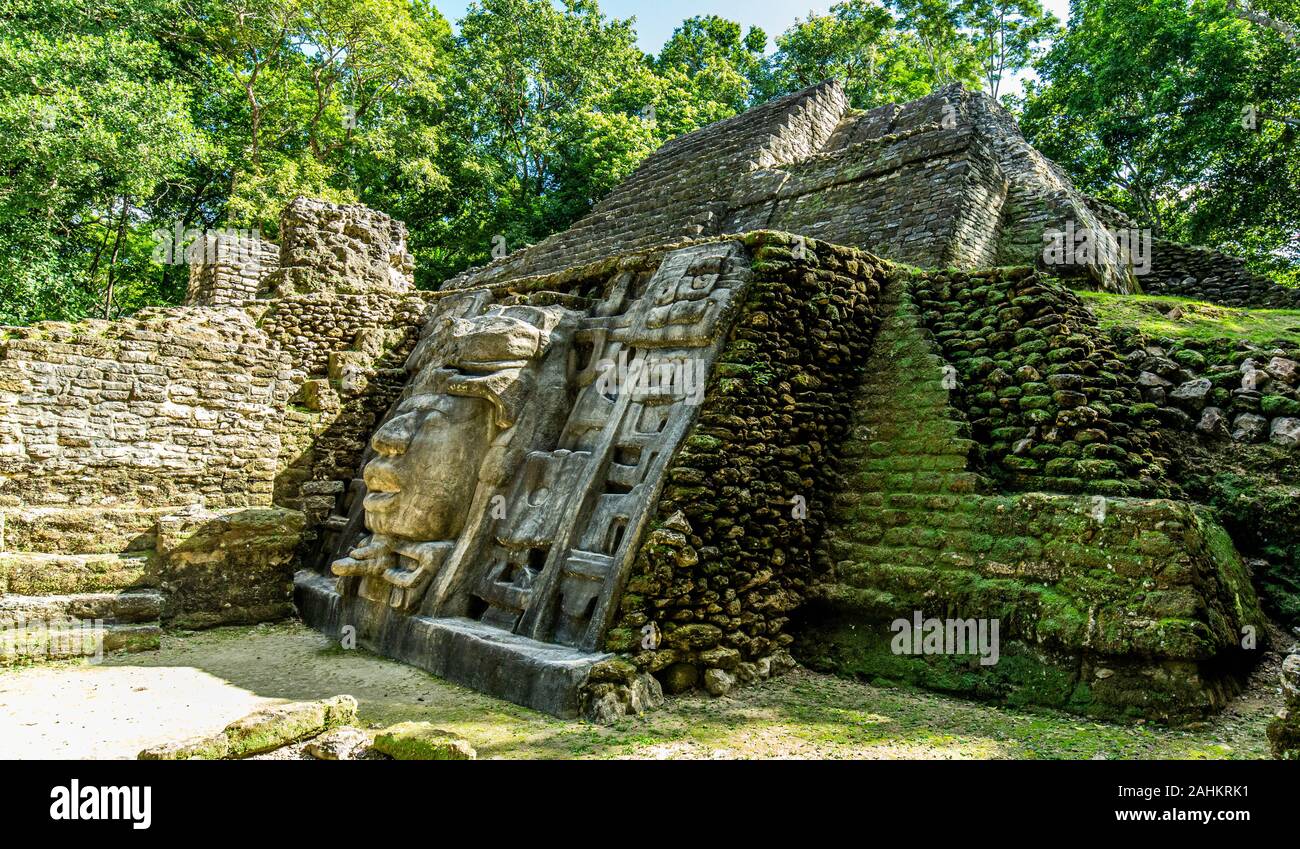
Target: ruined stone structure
[(171, 467), (803, 375), (231, 272)]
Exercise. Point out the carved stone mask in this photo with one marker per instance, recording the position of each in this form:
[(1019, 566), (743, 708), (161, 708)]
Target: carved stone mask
[(470, 387), (422, 478)]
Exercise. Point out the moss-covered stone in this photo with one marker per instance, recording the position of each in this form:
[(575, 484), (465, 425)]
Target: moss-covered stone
[(421, 741), (262, 731), (1107, 605)]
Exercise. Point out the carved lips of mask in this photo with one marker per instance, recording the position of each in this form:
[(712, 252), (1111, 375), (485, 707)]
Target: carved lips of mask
[(422, 479)]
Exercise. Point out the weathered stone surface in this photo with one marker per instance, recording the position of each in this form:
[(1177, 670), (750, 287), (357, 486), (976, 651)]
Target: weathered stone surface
[(116, 414), (421, 741), (1192, 394), (228, 567), (280, 725), (1213, 423), (347, 248), (680, 677), (1285, 432), (80, 530), (25, 573), (231, 270), (263, 730), (210, 748), (136, 606), (340, 744), (1249, 427), (1284, 731), (718, 682), (1284, 370), (917, 530)]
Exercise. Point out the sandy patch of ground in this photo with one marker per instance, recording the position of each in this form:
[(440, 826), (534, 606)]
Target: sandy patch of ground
[(199, 682)]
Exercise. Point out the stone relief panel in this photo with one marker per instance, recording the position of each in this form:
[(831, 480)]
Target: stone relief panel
[(511, 483)]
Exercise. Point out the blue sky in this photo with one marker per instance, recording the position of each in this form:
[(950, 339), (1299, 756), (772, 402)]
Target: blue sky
[(656, 19)]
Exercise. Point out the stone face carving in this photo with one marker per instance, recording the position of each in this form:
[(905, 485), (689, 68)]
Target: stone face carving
[(507, 491), (429, 455)]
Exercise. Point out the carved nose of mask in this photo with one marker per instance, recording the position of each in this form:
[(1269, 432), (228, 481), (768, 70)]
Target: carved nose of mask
[(394, 437)]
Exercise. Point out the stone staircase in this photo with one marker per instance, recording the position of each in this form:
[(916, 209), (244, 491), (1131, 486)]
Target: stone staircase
[(78, 581)]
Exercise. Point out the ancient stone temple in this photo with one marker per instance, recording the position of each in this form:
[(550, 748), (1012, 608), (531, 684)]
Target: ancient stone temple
[(805, 374)]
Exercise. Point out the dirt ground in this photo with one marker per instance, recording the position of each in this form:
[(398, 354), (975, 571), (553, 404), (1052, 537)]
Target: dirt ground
[(198, 682)]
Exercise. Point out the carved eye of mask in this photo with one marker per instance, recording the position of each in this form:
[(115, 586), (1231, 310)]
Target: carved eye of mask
[(451, 407)]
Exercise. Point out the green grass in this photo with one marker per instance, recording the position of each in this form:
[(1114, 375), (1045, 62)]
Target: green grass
[(800, 715), (1198, 320)]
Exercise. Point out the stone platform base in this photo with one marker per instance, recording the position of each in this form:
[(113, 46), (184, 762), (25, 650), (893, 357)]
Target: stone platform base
[(541, 676)]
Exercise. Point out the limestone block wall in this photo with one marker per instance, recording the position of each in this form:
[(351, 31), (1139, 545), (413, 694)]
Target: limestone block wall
[(312, 326), (140, 459), (232, 272), (928, 196), (106, 430), (172, 406), (680, 192), (1207, 275), (346, 248), (1051, 401), (351, 349), (1202, 273), (946, 180)]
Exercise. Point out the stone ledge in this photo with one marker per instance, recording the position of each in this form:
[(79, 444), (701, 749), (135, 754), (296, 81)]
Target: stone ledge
[(541, 676)]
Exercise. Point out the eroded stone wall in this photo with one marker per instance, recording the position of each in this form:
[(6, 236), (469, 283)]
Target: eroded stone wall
[(1207, 275), (929, 195), (108, 431), (140, 460), (1053, 405), (233, 272), (347, 248)]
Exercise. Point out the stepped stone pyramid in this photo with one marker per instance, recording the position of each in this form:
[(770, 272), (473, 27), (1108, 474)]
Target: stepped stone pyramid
[(946, 180)]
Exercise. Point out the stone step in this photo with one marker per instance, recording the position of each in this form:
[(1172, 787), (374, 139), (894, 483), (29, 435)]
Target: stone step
[(134, 607), (35, 628), (543, 676), (33, 574), (80, 530), (62, 640)]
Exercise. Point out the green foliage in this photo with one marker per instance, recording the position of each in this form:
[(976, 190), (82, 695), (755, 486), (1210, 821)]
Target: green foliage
[(858, 43), (124, 117), (1141, 101), (547, 109), (97, 134), (1005, 35)]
